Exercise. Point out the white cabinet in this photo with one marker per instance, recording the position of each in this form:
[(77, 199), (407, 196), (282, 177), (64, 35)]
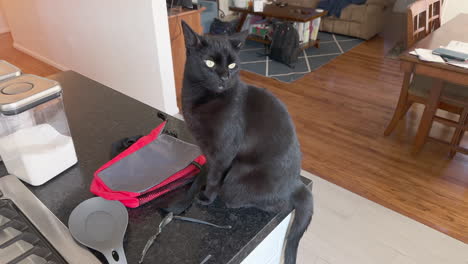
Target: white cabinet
[(270, 250)]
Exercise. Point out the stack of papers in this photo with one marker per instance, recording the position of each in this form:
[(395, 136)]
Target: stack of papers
[(426, 55), (460, 47)]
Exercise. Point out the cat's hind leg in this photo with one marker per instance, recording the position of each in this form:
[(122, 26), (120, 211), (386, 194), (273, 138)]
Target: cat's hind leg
[(250, 186)]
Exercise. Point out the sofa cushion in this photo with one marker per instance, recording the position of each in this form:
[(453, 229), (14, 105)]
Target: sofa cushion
[(380, 2), (342, 27), (314, 3), (361, 21), (360, 13), (354, 13), (303, 3)]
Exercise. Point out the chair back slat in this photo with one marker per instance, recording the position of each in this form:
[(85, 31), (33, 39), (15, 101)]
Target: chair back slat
[(434, 14)]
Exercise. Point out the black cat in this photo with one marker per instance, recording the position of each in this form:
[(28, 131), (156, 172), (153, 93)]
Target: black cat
[(245, 132)]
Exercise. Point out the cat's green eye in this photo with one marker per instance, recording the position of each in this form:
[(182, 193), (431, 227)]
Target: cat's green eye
[(210, 63), (232, 66)]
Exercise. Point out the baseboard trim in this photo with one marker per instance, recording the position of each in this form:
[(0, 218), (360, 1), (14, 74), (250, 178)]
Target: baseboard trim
[(4, 30), (179, 116), (39, 57)]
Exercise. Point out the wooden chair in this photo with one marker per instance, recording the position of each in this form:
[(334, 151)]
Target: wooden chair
[(461, 100), (460, 130), (417, 29), (423, 18), (416, 88), (453, 95), (417, 22)]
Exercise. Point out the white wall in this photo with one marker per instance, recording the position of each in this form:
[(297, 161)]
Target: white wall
[(3, 23), (453, 8), (123, 44)]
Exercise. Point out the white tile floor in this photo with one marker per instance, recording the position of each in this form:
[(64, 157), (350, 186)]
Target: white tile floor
[(349, 229)]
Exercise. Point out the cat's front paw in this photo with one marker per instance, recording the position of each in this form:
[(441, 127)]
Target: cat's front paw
[(205, 198)]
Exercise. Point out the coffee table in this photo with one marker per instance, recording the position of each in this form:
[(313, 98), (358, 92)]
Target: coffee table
[(289, 13)]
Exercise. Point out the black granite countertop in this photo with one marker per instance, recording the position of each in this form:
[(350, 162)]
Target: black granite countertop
[(98, 116)]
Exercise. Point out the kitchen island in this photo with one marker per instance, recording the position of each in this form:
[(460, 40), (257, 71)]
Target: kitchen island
[(99, 116)]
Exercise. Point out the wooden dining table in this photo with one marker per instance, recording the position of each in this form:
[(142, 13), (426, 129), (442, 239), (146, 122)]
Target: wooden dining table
[(455, 29)]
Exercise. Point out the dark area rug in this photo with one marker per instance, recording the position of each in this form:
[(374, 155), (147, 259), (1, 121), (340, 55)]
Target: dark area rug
[(253, 57)]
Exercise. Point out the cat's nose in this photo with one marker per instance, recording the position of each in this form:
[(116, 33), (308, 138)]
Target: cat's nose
[(224, 77)]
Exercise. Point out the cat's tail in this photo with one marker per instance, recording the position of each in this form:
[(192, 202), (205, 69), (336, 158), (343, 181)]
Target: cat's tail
[(303, 203)]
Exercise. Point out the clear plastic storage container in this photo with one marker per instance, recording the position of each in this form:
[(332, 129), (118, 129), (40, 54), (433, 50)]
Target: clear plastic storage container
[(35, 141), (8, 71)]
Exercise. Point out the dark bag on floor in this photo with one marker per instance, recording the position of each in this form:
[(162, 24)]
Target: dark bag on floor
[(285, 44), (219, 27)]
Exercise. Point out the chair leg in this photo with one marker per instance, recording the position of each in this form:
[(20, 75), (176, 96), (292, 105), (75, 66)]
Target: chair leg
[(459, 133), (428, 116), (402, 106)]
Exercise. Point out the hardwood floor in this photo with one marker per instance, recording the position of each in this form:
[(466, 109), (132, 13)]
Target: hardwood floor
[(341, 111), (23, 61)]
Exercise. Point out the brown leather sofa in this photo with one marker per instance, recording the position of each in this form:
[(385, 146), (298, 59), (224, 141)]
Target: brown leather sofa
[(361, 21)]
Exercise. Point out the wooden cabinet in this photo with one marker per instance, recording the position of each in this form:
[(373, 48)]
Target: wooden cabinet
[(193, 19)]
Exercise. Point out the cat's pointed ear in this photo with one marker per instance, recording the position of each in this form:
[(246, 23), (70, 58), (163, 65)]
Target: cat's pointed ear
[(238, 39), (192, 39)]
